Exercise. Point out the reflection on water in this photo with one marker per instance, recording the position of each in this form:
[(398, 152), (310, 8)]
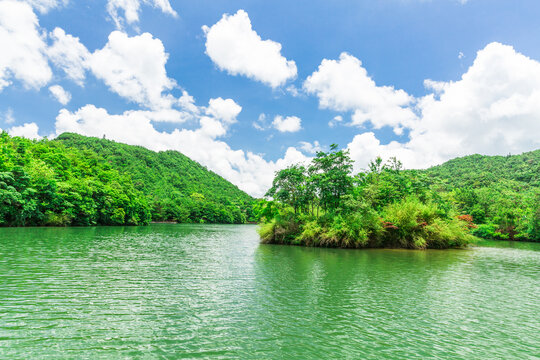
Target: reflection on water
[(213, 291)]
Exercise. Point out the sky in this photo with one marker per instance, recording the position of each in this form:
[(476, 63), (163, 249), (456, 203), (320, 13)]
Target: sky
[(249, 87)]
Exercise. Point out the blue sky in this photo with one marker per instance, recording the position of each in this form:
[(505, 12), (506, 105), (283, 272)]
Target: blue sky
[(274, 95)]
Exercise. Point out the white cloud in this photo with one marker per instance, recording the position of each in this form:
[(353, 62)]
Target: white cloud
[(249, 171), (131, 9), (310, 148), (293, 90), (234, 46), (224, 109), (336, 120), (134, 68), (187, 103), (366, 147), (437, 87), (43, 6), (287, 124), (344, 85), (60, 94), (168, 115), (494, 109), (28, 130), (23, 49), (68, 54)]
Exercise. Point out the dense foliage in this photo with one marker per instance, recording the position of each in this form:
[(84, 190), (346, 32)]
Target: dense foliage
[(76, 180), (45, 183), (176, 187), (324, 205), (501, 193), (493, 197)]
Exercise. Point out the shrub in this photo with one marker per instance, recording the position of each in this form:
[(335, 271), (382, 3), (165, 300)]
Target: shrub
[(412, 224)]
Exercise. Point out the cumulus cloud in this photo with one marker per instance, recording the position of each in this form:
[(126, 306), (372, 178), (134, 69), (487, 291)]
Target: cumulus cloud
[(224, 109), (310, 148), (68, 54), (494, 109), (60, 94), (437, 87), (344, 85), (187, 103), (28, 130), (134, 68), (127, 11), (249, 171), (287, 124), (234, 46), (23, 54)]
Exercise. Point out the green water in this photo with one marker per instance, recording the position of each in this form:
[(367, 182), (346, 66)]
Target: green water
[(196, 291)]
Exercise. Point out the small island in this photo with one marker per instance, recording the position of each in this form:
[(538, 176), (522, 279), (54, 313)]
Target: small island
[(323, 204)]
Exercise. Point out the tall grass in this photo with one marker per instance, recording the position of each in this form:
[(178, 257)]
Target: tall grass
[(408, 223)]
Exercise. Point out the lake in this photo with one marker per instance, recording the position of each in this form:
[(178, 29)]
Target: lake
[(212, 291)]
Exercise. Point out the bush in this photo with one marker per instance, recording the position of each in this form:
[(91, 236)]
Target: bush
[(280, 230), (412, 224), (489, 231)]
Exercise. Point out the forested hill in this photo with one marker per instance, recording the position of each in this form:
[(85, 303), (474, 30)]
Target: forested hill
[(76, 180), (177, 188), (501, 193), (481, 170)]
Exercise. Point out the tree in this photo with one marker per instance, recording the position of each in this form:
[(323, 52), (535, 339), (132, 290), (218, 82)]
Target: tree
[(330, 176), (290, 187)]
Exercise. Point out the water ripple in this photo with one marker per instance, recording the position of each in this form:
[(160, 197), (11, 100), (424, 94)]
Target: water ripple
[(189, 291)]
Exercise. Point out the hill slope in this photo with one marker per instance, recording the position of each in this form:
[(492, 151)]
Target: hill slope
[(501, 193), (77, 180), (45, 183), (177, 188), (481, 170)]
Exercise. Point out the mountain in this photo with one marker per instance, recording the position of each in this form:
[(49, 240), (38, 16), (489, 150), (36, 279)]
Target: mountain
[(481, 170), (78, 180), (501, 193)]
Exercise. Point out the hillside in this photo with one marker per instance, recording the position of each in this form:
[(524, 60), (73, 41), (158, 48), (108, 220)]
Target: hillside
[(177, 188), (77, 180), (45, 183), (481, 170), (501, 193)]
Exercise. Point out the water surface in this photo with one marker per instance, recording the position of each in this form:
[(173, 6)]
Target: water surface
[(212, 291)]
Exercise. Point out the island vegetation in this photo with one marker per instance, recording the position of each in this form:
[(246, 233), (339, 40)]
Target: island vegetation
[(323, 204), (82, 181)]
